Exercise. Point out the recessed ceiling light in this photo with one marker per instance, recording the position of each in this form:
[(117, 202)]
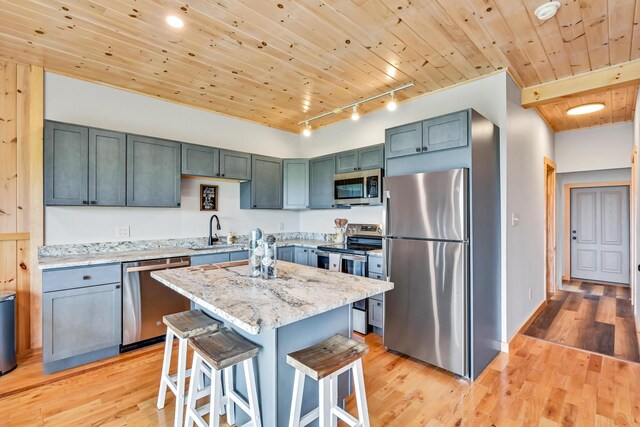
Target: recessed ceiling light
[(585, 109), (547, 10), (174, 21)]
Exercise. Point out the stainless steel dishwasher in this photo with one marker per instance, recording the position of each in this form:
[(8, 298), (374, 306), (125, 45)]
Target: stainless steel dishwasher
[(145, 301)]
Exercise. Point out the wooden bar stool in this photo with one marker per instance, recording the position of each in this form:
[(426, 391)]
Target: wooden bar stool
[(323, 362), (183, 326), (219, 352)]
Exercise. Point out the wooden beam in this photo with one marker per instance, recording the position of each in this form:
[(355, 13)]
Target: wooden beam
[(14, 236), (626, 74)]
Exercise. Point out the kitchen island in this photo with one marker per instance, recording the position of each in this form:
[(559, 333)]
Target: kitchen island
[(301, 307)]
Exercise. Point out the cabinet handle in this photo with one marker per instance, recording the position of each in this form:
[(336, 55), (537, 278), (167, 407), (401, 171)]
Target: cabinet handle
[(217, 174), (418, 150), (93, 202), (255, 206), (117, 286), (85, 202), (355, 169), (177, 204), (222, 175), (86, 277)]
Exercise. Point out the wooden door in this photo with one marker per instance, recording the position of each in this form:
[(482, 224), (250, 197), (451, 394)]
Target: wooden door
[(600, 234), (66, 166), (107, 168)]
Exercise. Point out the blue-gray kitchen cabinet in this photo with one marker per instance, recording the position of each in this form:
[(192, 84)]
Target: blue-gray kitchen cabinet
[(403, 140), (264, 191), (295, 184), (81, 315), (199, 160), (286, 253), (371, 157), (321, 171), (444, 132), (107, 168), (153, 172), (235, 165), (347, 161)]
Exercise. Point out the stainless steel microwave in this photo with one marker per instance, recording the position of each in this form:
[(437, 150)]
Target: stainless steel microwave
[(358, 188)]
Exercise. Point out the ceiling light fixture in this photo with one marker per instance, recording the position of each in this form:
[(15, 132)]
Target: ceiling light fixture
[(355, 115), (307, 129), (585, 109), (547, 10), (392, 105), (174, 21)]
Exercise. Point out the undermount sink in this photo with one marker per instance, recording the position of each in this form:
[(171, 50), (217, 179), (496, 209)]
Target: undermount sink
[(209, 247)]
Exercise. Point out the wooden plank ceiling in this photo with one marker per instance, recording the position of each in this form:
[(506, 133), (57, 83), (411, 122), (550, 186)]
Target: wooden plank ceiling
[(277, 62)]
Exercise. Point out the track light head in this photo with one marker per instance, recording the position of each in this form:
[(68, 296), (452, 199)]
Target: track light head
[(392, 104), (307, 129), (355, 115)]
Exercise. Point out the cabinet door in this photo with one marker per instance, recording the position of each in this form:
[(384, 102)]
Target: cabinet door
[(79, 321), (210, 258), (321, 171), (238, 255), (403, 140), (66, 164), (198, 160), (296, 184), (235, 165), (302, 256), (445, 132), (375, 313), (347, 161), (266, 183), (153, 172), (371, 157), (286, 254), (107, 168), (313, 258)]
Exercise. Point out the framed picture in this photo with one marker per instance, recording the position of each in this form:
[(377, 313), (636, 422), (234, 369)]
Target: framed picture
[(208, 197)]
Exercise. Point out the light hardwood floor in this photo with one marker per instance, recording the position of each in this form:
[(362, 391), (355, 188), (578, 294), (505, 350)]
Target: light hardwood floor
[(538, 383)]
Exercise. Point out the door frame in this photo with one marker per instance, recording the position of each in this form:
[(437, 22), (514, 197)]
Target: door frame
[(566, 266), (632, 223), (550, 250)]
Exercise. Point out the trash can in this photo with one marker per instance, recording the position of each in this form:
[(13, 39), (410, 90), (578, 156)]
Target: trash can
[(7, 331)]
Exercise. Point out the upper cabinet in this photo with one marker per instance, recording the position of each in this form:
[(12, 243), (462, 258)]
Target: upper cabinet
[(198, 160), (361, 159), (153, 172), (440, 133), (296, 184), (84, 166), (235, 165), (321, 171), (444, 132), (264, 191)]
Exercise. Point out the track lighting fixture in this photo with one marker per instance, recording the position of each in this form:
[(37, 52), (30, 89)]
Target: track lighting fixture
[(355, 114)]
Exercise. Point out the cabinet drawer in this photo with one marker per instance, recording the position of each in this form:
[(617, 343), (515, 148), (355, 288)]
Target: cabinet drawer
[(377, 276), (375, 265), (210, 259), (238, 255), (71, 278)]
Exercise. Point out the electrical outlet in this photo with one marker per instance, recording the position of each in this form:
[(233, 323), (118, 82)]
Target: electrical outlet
[(515, 220), (530, 293), (122, 232), (281, 226)]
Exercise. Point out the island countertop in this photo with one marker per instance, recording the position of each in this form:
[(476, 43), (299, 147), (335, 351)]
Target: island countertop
[(255, 305)]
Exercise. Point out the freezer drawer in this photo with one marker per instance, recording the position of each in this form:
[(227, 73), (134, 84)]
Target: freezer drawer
[(425, 314)]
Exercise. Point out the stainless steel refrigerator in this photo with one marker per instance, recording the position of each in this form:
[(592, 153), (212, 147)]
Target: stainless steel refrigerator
[(431, 312)]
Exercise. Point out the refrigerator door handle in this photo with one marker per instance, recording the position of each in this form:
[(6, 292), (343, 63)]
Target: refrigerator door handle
[(386, 212)]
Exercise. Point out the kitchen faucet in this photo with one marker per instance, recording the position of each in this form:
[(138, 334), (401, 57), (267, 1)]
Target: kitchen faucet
[(211, 238)]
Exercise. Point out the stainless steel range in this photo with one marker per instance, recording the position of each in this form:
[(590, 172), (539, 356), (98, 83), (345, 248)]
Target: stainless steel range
[(351, 258)]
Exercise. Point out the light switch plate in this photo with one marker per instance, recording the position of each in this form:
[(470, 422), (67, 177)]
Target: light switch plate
[(515, 220), (122, 232)]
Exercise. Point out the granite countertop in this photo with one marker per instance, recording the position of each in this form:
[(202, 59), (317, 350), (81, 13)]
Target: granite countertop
[(97, 258), (255, 305)]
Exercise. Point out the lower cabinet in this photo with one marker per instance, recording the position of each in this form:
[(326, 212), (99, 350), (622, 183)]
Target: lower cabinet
[(375, 313), (306, 256), (79, 322), (219, 257), (286, 253)]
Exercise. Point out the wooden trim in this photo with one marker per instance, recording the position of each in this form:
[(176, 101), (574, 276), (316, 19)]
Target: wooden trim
[(550, 243), (13, 236), (617, 76), (525, 325), (566, 266), (633, 225)]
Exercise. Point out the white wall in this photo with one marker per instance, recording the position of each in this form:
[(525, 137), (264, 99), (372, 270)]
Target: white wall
[(608, 175), (76, 101), (482, 95), (529, 141), (605, 147)]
